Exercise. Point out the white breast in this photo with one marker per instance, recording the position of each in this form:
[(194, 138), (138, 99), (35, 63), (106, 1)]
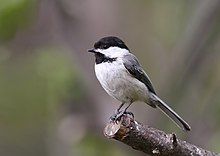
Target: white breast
[(118, 83)]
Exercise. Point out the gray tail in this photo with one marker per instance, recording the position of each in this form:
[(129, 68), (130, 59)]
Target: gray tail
[(170, 113)]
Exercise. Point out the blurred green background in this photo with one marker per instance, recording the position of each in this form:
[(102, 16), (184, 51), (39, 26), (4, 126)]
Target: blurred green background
[(50, 101)]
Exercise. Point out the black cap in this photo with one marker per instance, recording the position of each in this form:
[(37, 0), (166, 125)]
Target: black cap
[(110, 41)]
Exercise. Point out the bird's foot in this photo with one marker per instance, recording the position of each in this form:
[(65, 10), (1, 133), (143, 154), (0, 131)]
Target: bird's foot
[(118, 115), (129, 113)]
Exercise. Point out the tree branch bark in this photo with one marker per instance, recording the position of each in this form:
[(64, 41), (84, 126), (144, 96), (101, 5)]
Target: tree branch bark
[(150, 140)]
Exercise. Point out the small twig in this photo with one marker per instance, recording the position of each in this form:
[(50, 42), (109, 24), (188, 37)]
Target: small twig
[(150, 140)]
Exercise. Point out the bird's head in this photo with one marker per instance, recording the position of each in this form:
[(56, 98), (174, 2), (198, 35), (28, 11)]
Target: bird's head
[(110, 46)]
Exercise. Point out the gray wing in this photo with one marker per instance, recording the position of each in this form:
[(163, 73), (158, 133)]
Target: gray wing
[(132, 65)]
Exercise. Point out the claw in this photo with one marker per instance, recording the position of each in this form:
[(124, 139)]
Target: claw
[(129, 113), (117, 116), (113, 117)]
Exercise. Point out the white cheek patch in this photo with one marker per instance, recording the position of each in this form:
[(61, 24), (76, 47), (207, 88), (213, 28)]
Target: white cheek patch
[(113, 52)]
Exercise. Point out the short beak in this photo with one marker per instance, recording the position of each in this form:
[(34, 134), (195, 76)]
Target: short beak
[(92, 50)]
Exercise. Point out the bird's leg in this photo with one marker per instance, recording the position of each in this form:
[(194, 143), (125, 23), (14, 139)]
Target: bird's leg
[(125, 110), (118, 110), (119, 113), (129, 113)]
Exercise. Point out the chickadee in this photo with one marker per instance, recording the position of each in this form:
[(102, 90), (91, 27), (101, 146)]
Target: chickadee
[(123, 78)]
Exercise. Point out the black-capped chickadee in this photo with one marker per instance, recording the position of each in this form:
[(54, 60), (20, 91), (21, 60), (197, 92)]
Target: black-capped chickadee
[(123, 78)]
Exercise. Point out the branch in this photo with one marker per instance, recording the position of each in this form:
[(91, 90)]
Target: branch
[(150, 140)]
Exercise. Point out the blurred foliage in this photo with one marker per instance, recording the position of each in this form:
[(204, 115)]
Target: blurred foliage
[(95, 146), (168, 20), (14, 15), (57, 68), (32, 86)]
